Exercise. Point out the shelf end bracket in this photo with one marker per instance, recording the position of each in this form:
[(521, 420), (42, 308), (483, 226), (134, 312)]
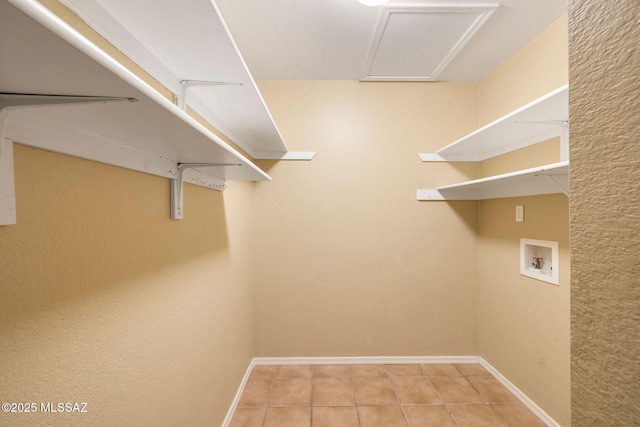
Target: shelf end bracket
[(7, 181), (564, 189), (429, 195), (177, 184), (181, 99)]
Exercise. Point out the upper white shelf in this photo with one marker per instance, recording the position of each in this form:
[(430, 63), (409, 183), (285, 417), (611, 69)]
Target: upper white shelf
[(549, 179), (187, 46), (544, 118), (59, 92), (42, 55)]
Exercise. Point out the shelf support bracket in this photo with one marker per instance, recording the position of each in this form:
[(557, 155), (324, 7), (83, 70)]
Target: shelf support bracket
[(7, 182), (560, 186), (181, 99), (563, 125), (25, 100), (177, 184), (429, 194), (14, 101)]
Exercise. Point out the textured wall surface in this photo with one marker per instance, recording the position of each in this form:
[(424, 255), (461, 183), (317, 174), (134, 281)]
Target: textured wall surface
[(105, 300), (523, 323), (604, 44), (349, 262)]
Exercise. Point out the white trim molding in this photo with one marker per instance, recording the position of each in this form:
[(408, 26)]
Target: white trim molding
[(526, 401), (236, 399), (364, 360)]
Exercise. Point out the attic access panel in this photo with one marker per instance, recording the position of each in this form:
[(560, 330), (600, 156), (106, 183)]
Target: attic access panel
[(416, 43)]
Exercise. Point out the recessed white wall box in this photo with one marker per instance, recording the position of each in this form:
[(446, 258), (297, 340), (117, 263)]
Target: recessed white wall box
[(539, 260)]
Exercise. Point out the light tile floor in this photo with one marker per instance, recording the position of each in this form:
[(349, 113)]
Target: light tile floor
[(378, 396)]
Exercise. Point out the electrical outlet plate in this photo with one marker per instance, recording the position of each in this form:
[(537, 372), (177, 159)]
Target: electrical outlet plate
[(519, 213)]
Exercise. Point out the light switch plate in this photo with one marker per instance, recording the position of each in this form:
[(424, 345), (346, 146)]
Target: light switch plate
[(519, 213)]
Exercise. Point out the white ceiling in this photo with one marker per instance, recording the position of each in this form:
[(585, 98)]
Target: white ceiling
[(331, 39)]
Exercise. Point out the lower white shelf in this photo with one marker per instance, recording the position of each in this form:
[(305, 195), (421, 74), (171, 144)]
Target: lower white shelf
[(548, 179)]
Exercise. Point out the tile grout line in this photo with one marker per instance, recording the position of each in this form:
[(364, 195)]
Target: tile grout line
[(490, 404), (313, 382), (273, 380), (393, 387), (474, 388), (446, 405), (355, 399)]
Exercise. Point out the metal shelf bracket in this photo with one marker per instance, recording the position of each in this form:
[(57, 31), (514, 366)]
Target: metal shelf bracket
[(13, 101), (558, 184), (177, 184), (7, 183), (563, 125), (181, 99)]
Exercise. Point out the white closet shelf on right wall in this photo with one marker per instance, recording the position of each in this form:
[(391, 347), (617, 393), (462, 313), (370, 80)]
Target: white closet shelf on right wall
[(546, 117)]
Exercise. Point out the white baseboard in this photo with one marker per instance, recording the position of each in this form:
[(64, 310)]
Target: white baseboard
[(364, 360), (236, 399), (389, 360), (526, 401)]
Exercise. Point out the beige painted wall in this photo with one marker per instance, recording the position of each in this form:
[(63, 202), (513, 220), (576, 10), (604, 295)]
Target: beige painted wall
[(349, 262), (605, 225), (523, 324), (107, 301), (536, 69)]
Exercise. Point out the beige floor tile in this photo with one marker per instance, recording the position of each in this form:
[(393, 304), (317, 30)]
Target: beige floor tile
[(247, 417), (291, 392), (368, 371), (256, 393), (472, 369), (332, 392), (440, 370), (326, 416), (404, 371), (331, 371), (262, 372), (456, 390), (518, 415), (374, 391), (288, 417), (492, 389), (381, 416), (415, 391), (429, 416), (476, 416), (293, 371)]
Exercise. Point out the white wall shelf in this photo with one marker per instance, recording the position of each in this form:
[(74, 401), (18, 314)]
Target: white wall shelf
[(549, 179), (538, 121), (542, 119), (187, 46), (130, 125)]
